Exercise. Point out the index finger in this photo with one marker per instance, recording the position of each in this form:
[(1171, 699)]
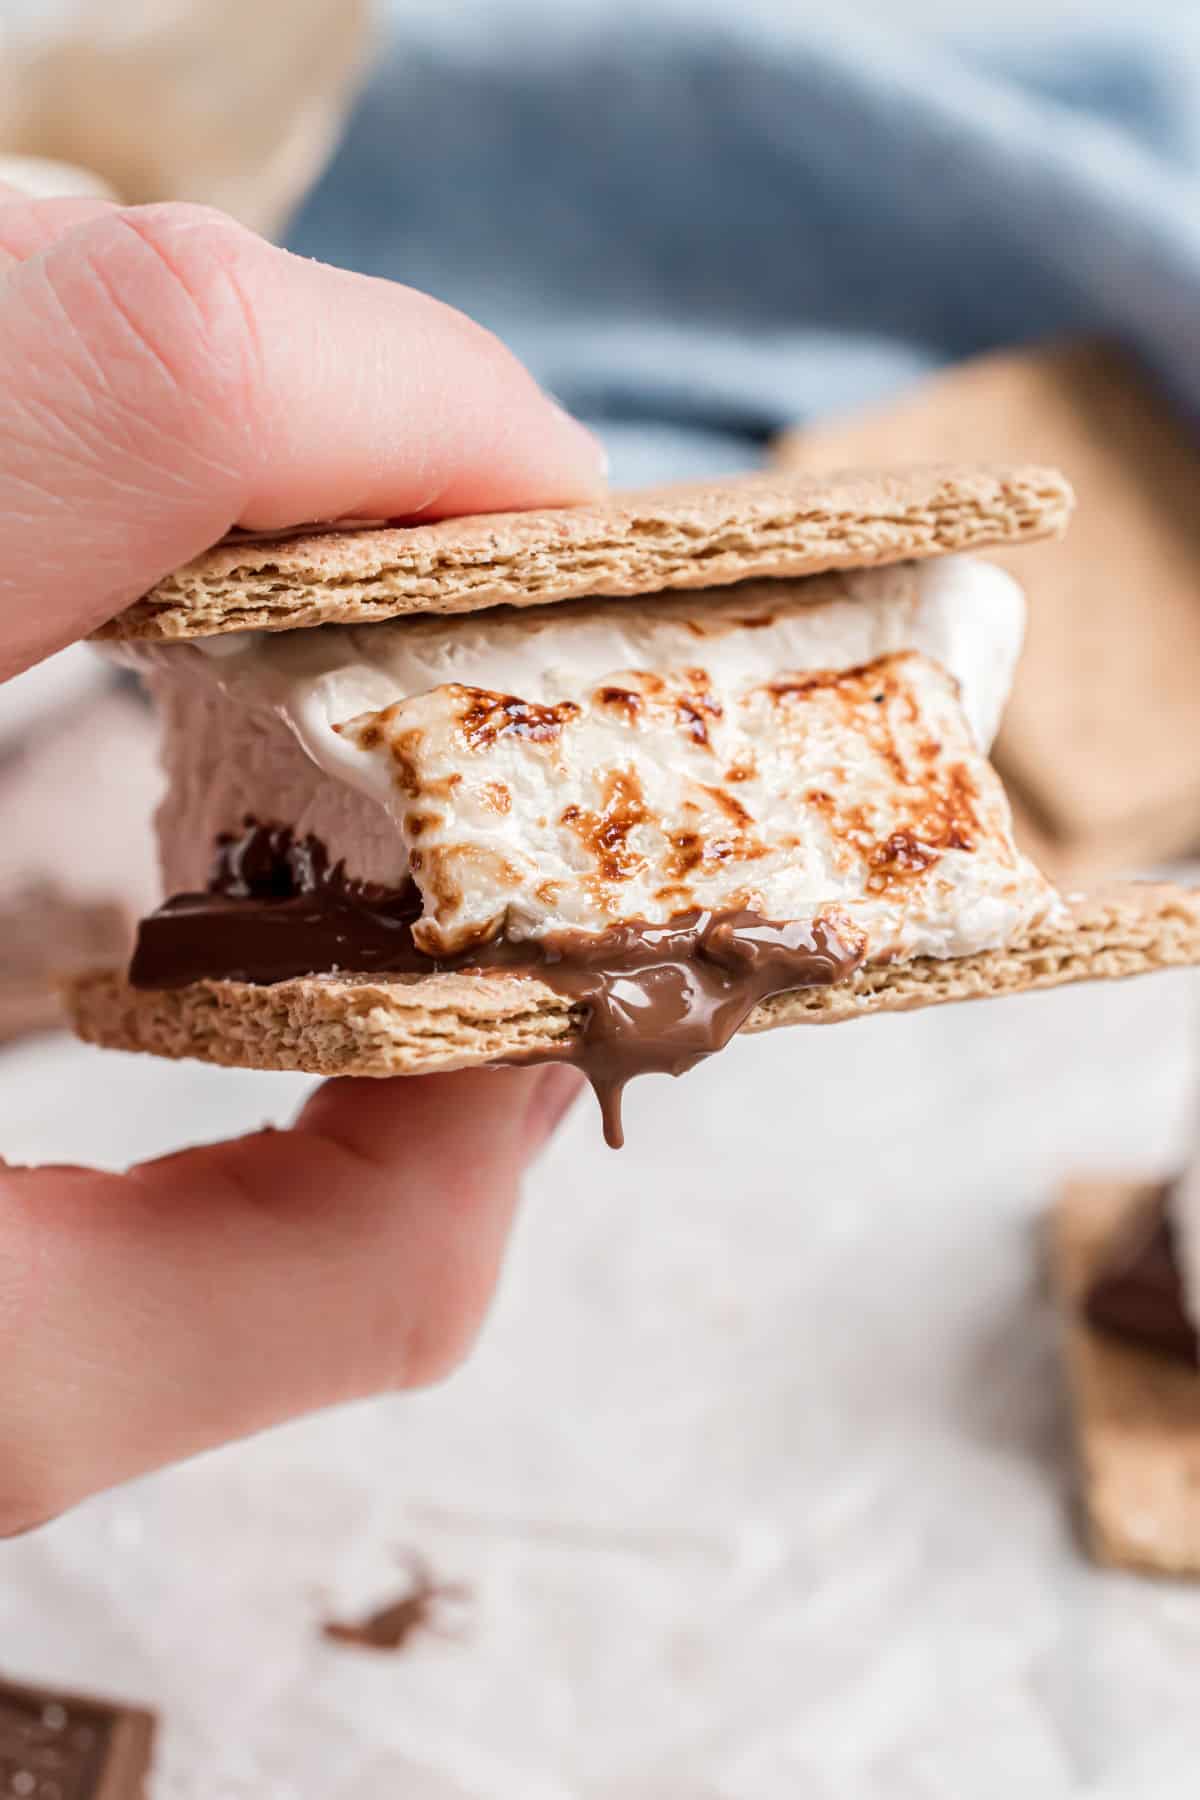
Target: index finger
[(168, 375)]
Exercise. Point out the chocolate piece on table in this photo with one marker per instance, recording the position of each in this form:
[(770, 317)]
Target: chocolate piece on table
[(56, 1746), (1138, 1291), (1136, 1412), (391, 1626)]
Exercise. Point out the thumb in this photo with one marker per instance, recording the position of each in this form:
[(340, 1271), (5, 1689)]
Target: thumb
[(168, 374), (211, 1293)]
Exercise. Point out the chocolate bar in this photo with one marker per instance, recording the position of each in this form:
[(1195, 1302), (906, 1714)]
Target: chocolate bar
[(56, 1746)]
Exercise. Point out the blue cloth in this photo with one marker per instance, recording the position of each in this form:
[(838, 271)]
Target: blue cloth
[(699, 225)]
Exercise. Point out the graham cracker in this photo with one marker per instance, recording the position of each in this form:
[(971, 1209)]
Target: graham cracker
[(1102, 733), (367, 1025), (1137, 1414), (694, 535)]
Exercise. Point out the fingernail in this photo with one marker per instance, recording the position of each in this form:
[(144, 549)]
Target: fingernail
[(585, 436), (555, 1091)]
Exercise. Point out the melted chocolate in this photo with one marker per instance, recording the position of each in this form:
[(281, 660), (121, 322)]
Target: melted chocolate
[(658, 999), (276, 907), (652, 998), (1138, 1292)]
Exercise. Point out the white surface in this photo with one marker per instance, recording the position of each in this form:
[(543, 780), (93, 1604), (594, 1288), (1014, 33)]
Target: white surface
[(759, 1477)]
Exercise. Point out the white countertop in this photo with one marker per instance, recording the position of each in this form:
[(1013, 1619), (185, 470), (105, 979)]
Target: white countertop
[(760, 1477)]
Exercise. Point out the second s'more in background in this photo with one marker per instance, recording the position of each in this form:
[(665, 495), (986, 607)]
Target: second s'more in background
[(1127, 1273), (1100, 745), (605, 784)]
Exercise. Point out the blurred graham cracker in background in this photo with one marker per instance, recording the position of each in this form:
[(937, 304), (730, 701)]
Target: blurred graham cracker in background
[(1100, 747), (1136, 1413)]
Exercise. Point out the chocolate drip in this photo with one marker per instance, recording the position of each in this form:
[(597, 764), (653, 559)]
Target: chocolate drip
[(658, 999), (1138, 1292), (652, 998)]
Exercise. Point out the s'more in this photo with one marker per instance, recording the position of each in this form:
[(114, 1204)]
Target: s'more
[(605, 784), (1127, 1266)]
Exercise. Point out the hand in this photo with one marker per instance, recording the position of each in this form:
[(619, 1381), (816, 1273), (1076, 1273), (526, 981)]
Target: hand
[(165, 376)]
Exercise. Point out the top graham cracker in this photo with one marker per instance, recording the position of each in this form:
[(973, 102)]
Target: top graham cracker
[(693, 535)]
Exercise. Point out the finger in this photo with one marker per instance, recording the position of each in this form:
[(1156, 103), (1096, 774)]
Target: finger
[(209, 1294), (168, 374), (29, 226)]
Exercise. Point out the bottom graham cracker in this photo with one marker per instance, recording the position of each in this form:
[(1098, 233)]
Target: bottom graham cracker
[(1137, 1414)]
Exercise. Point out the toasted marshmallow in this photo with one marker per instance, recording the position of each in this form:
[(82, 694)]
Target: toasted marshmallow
[(784, 746), (651, 795), (965, 614)]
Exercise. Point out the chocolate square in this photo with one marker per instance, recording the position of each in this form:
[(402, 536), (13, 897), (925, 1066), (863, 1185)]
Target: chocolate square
[(56, 1746)]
